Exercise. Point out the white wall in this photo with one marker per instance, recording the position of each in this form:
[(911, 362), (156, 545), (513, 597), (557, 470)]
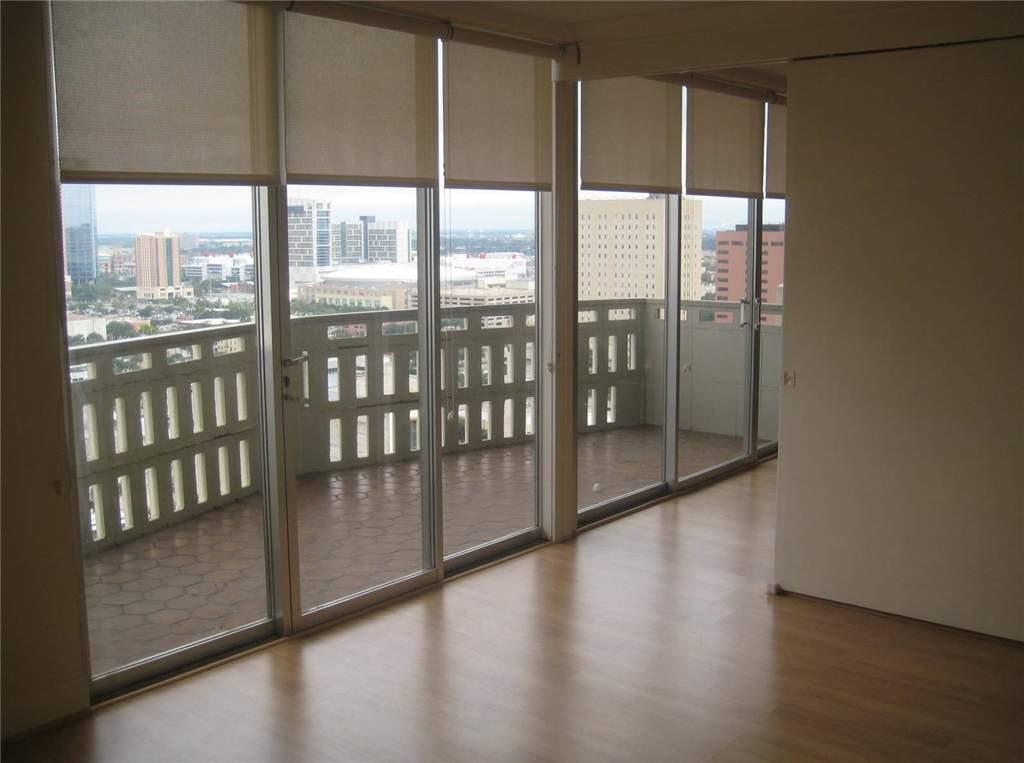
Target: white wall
[(45, 667), (902, 466)]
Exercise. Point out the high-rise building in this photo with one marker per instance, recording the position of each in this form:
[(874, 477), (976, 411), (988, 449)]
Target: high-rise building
[(371, 241), (622, 249), (691, 212), (322, 213), (309, 238), (338, 233), (158, 266), (731, 263), (123, 262), (79, 215)]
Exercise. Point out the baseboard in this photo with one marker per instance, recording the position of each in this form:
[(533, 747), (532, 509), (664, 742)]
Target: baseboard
[(778, 590)]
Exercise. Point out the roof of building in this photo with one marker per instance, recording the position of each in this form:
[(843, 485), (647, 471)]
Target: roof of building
[(388, 272)]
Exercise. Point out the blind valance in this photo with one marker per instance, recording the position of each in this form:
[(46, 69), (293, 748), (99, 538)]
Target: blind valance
[(497, 118), (631, 135), (724, 144), (360, 103), (161, 90)]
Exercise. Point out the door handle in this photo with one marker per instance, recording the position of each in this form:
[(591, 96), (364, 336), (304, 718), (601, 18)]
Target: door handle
[(744, 319), (286, 381)]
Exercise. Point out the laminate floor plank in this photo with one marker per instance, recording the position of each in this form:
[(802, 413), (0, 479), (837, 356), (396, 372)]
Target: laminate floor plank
[(649, 638)]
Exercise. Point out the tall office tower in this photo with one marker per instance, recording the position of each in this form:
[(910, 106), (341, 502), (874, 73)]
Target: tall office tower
[(309, 238), (691, 229), (338, 241), (353, 235), (388, 242), (372, 241), (79, 212), (731, 263), (621, 249), (158, 266), (323, 234)]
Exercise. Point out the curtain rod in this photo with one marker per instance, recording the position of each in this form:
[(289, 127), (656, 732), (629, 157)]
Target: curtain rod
[(402, 22), (705, 82)]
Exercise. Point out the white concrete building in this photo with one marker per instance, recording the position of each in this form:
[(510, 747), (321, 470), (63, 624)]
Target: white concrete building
[(622, 249), (309, 238)]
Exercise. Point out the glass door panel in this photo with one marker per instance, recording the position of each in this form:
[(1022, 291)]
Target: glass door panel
[(773, 257), (160, 285), (714, 332), (488, 346), (620, 344), (353, 389)]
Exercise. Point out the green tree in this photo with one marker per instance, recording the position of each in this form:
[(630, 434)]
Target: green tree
[(120, 330)]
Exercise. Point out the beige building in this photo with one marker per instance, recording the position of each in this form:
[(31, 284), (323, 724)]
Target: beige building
[(622, 249), (158, 267), (692, 213), (340, 294)]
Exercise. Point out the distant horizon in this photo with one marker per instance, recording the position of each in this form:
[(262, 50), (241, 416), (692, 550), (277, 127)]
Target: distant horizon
[(123, 210)]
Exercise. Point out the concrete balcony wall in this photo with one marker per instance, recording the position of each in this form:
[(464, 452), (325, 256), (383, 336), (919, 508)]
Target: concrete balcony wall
[(712, 371), (166, 426)]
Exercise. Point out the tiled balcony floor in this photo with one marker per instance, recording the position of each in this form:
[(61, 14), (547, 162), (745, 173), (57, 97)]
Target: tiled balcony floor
[(357, 528)]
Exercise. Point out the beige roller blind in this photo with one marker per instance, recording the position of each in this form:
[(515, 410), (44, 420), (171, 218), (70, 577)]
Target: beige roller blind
[(360, 103), (631, 135), (497, 118), (775, 180), (152, 90), (724, 144)]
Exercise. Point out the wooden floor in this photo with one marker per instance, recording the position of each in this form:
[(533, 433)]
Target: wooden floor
[(650, 638)]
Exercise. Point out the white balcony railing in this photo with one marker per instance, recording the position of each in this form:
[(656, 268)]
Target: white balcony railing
[(165, 426)]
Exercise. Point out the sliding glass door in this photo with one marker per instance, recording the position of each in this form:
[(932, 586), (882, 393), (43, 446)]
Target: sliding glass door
[(353, 390), (773, 258), (160, 289), (623, 243), (487, 271), (288, 399), (715, 332)]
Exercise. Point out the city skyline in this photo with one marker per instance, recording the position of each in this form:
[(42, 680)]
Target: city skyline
[(131, 209)]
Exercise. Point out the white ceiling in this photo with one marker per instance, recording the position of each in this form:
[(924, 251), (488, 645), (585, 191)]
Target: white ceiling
[(563, 22), (544, 21)]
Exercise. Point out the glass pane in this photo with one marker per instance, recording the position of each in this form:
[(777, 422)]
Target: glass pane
[(487, 310), (621, 341), (353, 289), (773, 256), (157, 278), (712, 339)]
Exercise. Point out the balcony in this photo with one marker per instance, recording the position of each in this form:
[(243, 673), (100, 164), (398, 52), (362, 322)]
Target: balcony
[(168, 446)]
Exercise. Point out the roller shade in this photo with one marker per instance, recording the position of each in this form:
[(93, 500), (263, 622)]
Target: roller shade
[(631, 135), (775, 180), (497, 119), (162, 90), (724, 144), (360, 103)]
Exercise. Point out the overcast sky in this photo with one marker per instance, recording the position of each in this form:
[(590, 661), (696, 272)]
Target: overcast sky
[(199, 209)]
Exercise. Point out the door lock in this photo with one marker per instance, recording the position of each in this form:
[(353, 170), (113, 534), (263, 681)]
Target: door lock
[(286, 379)]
